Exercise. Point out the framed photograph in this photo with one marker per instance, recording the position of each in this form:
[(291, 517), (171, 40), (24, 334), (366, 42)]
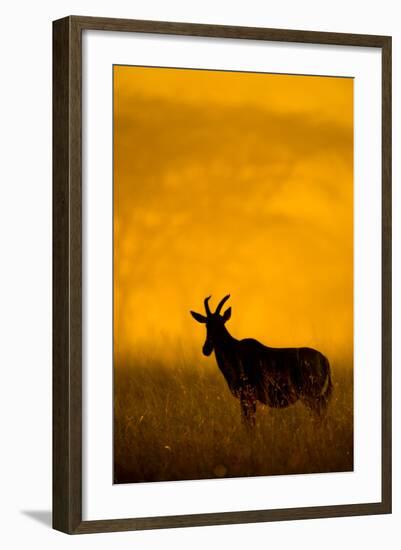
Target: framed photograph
[(221, 274)]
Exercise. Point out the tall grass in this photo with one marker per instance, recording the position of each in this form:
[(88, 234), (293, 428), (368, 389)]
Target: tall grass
[(179, 421)]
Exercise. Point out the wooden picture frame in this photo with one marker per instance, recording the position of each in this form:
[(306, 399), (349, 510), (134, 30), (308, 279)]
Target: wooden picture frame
[(67, 273)]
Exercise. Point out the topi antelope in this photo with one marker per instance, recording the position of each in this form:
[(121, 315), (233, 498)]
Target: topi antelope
[(276, 377)]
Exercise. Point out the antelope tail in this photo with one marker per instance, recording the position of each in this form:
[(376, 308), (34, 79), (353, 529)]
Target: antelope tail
[(327, 387), (325, 394)]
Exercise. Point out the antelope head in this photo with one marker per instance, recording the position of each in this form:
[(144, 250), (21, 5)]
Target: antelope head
[(214, 323)]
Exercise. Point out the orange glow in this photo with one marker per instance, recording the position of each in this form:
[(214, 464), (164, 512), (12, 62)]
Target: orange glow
[(239, 183)]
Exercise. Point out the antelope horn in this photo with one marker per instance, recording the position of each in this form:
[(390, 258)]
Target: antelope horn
[(207, 309), (221, 304)]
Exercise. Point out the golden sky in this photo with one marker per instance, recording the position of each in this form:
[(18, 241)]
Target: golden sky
[(229, 182)]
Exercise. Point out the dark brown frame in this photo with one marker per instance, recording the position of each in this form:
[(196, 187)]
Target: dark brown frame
[(67, 276)]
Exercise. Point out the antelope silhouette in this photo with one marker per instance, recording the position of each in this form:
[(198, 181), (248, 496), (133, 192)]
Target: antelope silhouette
[(276, 377)]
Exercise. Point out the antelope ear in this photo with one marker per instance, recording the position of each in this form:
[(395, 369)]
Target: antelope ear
[(227, 314), (198, 317)]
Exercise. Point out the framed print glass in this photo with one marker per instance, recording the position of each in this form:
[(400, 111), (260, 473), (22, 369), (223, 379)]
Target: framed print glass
[(222, 269)]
